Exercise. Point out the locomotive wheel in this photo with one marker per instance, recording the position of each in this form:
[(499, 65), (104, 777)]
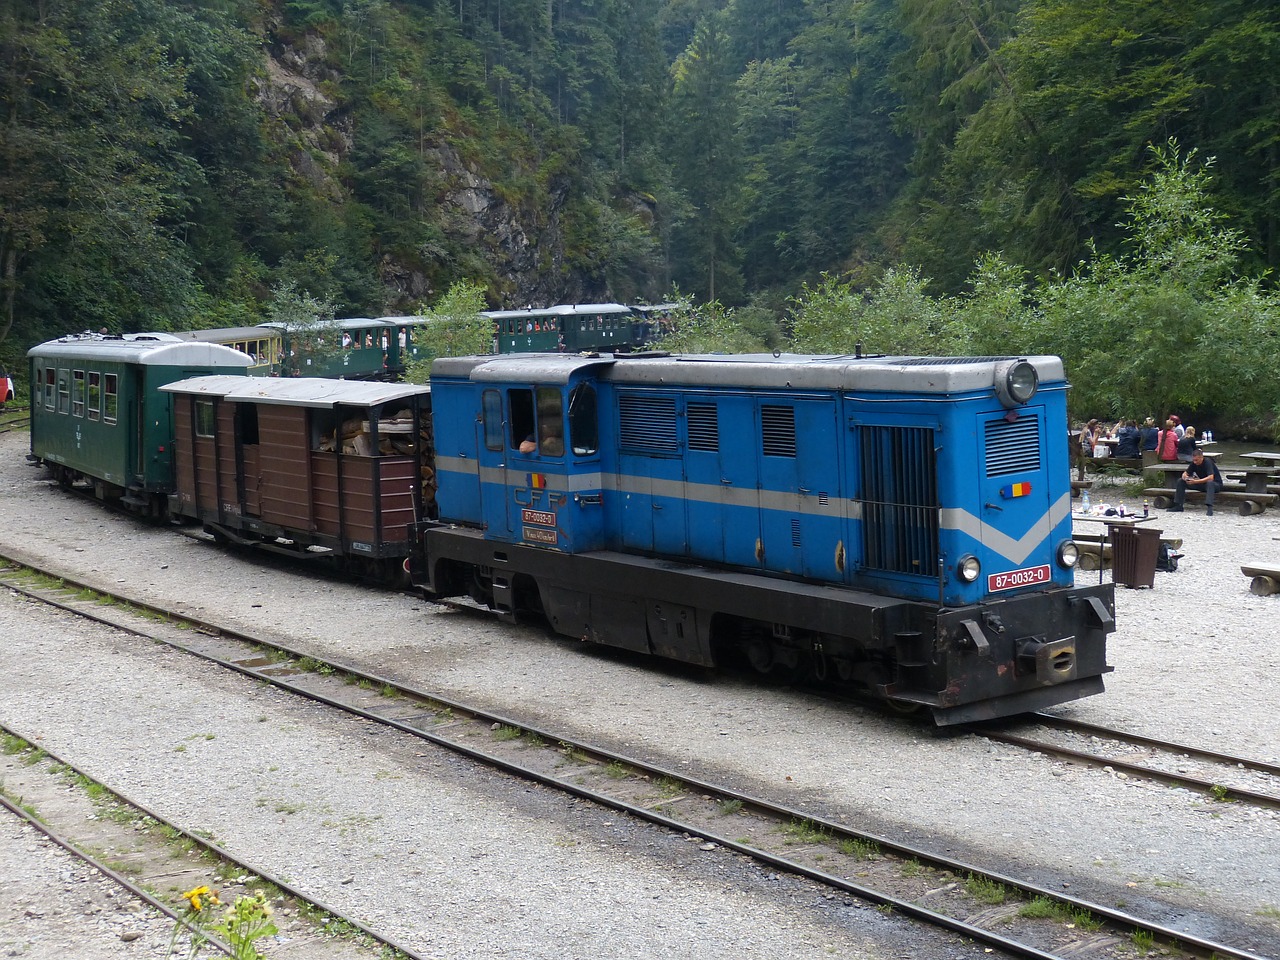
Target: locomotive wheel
[(759, 652)]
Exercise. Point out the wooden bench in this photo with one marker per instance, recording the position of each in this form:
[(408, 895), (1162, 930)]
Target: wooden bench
[(1255, 479), (1250, 504), (1265, 580), (1078, 485)]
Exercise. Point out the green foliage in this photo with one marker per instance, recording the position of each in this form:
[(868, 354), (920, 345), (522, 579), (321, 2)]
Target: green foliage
[(305, 321), (456, 329), (705, 328), (895, 316)]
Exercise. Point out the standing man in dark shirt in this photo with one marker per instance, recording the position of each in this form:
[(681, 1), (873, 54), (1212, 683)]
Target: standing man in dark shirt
[(1201, 474)]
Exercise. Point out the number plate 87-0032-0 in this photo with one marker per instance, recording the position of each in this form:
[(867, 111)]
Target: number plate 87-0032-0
[(1018, 578)]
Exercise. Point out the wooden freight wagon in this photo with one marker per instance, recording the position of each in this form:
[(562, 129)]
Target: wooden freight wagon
[(334, 469)]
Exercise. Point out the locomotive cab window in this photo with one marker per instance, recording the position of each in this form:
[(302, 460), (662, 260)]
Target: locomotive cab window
[(584, 427), (523, 425), (550, 422), (491, 402)]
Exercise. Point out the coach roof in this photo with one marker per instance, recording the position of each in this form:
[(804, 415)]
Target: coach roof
[(162, 351)]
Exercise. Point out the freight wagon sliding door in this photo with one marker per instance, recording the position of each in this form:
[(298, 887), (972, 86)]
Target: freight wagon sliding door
[(284, 466)]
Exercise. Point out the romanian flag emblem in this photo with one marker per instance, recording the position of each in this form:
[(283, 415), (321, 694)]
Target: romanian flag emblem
[(1015, 490), (537, 480)]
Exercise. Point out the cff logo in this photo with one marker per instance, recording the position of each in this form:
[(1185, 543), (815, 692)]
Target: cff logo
[(1025, 577)]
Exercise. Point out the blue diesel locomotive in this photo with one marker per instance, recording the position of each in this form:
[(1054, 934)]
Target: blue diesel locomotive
[(898, 526)]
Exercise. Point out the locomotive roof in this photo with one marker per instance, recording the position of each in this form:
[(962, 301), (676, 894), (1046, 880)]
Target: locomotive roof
[(845, 373), (297, 391), (146, 349)]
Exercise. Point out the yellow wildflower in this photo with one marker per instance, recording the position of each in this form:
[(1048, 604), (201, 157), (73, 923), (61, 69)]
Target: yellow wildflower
[(193, 897)]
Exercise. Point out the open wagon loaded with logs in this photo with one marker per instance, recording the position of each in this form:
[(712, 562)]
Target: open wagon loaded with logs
[(332, 469)]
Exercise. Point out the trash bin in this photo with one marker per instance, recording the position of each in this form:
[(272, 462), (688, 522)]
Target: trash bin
[(1134, 553)]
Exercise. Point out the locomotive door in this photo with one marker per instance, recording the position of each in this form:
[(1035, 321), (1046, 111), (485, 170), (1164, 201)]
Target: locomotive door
[(1012, 494), (800, 487), (722, 480)]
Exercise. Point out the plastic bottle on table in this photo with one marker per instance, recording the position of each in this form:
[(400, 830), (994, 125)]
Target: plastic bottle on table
[(1146, 509), (1084, 501)]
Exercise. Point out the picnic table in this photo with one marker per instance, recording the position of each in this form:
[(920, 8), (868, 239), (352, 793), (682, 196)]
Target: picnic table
[(1250, 492)]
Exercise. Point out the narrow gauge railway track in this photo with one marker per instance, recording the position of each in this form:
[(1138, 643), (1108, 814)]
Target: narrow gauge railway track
[(167, 871), (914, 882), (1222, 776)]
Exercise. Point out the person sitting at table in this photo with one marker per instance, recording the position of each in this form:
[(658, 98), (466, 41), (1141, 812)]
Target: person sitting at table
[(1128, 440), (1201, 474), (1187, 445), (1178, 428), (1088, 437), (1150, 433), (1167, 444)]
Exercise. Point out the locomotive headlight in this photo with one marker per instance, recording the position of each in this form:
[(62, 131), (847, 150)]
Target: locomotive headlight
[(1068, 554), (968, 568), (1016, 382)]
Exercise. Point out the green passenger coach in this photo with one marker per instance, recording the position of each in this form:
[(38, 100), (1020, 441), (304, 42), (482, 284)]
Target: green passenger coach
[(98, 415)]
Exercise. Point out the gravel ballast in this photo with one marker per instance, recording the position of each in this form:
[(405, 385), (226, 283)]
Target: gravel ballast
[(477, 867)]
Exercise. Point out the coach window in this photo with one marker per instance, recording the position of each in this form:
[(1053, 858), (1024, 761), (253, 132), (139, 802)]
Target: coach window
[(110, 397), (64, 390), (77, 393), (50, 377), (550, 422), (204, 418), (95, 395), (584, 429), (492, 404)]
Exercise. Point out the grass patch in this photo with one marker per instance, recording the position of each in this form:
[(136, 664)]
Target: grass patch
[(1144, 941), (859, 849), (1044, 908), (729, 807), (506, 732), (804, 831), (36, 755), (11, 744), (988, 891), (617, 771)]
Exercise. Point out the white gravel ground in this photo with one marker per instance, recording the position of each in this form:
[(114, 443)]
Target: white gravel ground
[(469, 867)]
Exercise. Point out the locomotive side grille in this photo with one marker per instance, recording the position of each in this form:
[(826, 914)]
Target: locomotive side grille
[(778, 430), (899, 499), (704, 427), (648, 423), (1013, 447)]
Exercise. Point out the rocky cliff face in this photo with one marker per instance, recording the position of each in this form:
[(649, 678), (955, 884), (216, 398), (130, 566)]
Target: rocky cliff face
[(523, 250)]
